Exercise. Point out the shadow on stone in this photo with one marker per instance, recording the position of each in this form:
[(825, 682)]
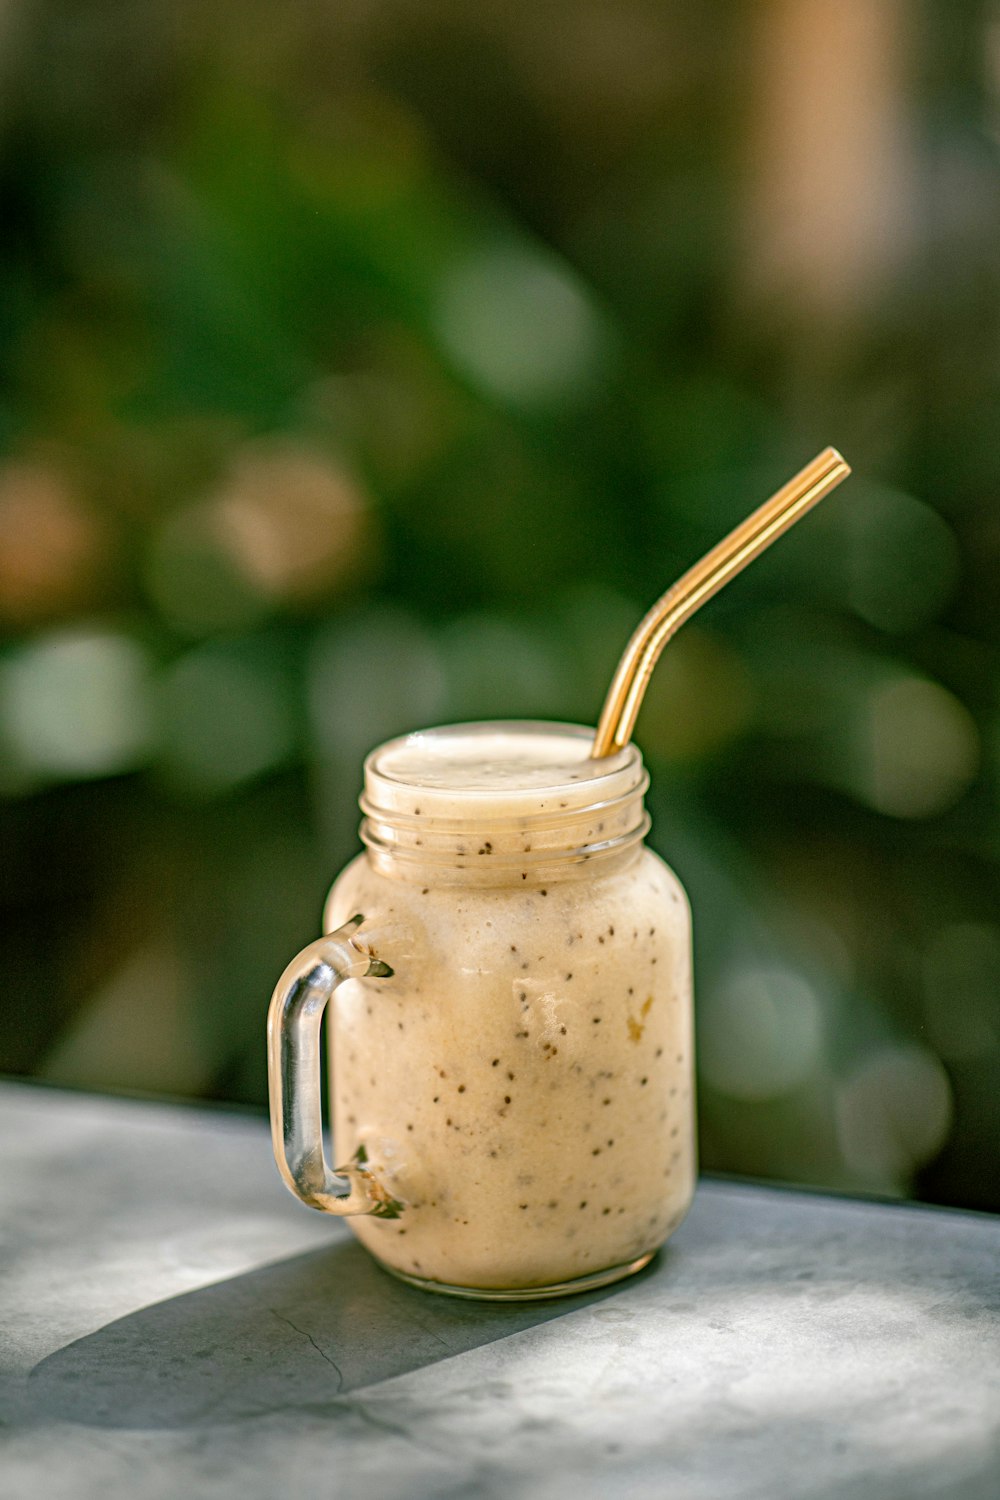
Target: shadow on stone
[(296, 1334)]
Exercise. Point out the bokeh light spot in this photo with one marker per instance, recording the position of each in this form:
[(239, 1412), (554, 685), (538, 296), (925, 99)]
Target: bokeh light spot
[(77, 704), (285, 525), (376, 675), (227, 717), (519, 326), (698, 700), (760, 1033), (293, 521), (893, 1114), (899, 556), (51, 543), (922, 748)]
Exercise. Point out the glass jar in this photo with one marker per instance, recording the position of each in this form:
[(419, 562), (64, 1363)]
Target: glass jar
[(511, 1039)]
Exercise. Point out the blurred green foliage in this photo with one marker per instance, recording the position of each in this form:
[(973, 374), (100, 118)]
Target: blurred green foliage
[(367, 367)]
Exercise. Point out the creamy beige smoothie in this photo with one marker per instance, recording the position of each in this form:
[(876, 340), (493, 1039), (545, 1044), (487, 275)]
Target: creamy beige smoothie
[(522, 1083)]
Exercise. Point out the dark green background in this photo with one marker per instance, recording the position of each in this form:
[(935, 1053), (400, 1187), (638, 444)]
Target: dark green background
[(372, 366)]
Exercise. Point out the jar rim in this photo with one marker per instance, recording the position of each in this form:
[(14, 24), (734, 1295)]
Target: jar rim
[(502, 769)]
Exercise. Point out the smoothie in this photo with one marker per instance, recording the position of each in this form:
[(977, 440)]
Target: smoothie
[(523, 1081)]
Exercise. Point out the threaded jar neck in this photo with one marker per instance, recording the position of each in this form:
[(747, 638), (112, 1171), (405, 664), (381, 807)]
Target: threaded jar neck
[(509, 803)]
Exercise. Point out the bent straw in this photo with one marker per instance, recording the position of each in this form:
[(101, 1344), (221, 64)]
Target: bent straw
[(696, 587)]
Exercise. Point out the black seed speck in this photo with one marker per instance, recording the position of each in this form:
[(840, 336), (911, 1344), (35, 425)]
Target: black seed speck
[(543, 893), (597, 1020), (596, 1151), (461, 1088), (506, 1098), (644, 1081), (511, 1077), (584, 1203), (605, 1210), (495, 1063)]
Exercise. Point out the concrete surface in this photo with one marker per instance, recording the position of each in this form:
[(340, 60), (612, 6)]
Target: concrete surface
[(173, 1324)]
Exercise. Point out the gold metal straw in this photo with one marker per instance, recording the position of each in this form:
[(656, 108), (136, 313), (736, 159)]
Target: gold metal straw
[(697, 586)]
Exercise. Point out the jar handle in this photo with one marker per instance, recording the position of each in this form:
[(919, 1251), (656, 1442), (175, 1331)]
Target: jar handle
[(294, 1018)]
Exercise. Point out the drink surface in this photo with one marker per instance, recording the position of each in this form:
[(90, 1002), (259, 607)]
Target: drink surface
[(500, 771), (487, 759), (523, 1080)]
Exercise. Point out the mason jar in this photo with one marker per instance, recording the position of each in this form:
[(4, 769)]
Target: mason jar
[(511, 1065)]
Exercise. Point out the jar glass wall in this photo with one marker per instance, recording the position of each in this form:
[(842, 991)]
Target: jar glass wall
[(522, 1083)]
